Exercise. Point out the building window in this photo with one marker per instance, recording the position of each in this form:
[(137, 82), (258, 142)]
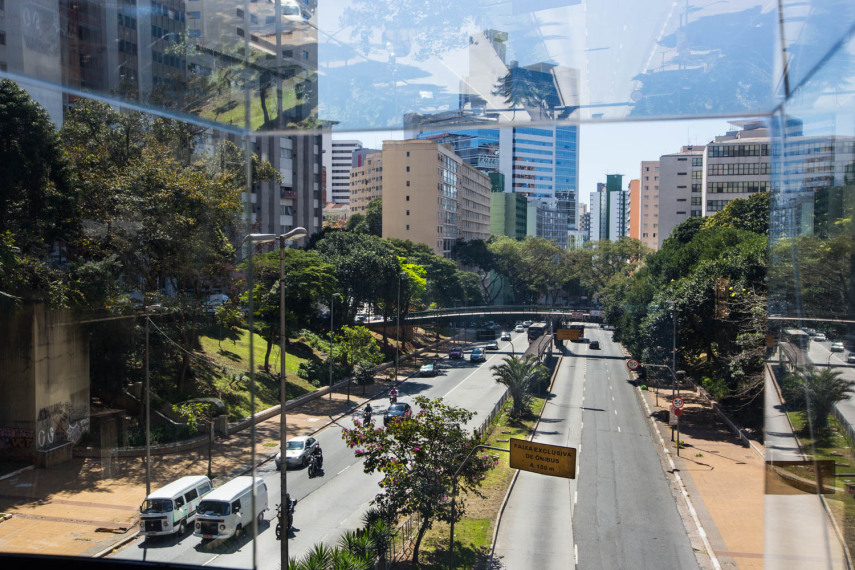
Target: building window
[(408, 227), (408, 169), (408, 212), (408, 182), (2, 38), (408, 198), (408, 153)]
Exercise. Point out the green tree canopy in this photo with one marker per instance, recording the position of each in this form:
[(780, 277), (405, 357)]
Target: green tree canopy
[(418, 458)]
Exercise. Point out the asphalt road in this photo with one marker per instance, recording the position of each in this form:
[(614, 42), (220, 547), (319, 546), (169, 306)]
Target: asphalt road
[(622, 510), (331, 504)]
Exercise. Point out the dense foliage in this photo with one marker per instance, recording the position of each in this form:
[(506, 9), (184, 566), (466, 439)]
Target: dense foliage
[(708, 284)]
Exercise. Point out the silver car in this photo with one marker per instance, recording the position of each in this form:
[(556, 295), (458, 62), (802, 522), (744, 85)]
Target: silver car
[(297, 451)]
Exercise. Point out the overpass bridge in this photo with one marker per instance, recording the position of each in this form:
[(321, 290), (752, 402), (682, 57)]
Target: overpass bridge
[(537, 312)]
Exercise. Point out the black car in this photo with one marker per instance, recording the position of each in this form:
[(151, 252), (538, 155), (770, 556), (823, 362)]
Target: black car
[(595, 344), (397, 411)]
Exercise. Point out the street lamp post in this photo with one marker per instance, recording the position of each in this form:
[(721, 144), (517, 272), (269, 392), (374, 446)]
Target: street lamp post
[(294, 234), (398, 327), (673, 347), (332, 305), (148, 309)]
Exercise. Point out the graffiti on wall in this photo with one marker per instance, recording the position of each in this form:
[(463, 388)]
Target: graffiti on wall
[(15, 438), (61, 423)]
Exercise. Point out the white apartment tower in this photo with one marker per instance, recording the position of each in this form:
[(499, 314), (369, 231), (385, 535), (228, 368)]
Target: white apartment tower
[(338, 156)]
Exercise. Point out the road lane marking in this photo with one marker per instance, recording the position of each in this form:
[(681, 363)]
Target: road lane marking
[(576, 553), (575, 497), (212, 559), (615, 412), (468, 377), (618, 429), (343, 470)]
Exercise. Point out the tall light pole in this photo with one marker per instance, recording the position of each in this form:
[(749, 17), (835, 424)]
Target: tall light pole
[(332, 306), (148, 309), (673, 346), (294, 234), (398, 327)]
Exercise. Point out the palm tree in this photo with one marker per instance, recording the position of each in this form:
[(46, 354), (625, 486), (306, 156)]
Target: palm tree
[(820, 390), (519, 374)]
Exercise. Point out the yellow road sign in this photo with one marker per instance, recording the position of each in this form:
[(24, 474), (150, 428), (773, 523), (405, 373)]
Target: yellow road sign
[(543, 458), (567, 334)]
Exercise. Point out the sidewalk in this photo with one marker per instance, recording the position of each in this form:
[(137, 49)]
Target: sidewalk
[(724, 480), (87, 506)]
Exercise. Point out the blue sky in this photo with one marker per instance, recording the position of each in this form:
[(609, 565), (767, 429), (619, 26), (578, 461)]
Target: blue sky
[(608, 148)]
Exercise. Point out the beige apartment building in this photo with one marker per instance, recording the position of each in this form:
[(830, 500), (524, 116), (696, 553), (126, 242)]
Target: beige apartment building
[(431, 196), (648, 211), (366, 183)]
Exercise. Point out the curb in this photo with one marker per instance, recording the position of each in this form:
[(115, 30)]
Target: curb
[(514, 479), (125, 540)]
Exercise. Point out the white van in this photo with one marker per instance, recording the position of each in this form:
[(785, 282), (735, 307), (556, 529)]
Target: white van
[(171, 508), (226, 511)]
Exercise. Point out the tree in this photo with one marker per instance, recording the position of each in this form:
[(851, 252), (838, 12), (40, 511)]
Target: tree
[(38, 201), (358, 345), (418, 457), (519, 375), (819, 390), (307, 279)]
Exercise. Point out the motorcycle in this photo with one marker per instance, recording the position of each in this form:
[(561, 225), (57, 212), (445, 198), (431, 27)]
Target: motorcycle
[(393, 397), (315, 463), (289, 519), (366, 417)]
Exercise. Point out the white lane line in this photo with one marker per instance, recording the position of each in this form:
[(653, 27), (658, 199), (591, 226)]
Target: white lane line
[(615, 412), (576, 554), (211, 560), (342, 471), (683, 491), (618, 429), (470, 376), (575, 497)]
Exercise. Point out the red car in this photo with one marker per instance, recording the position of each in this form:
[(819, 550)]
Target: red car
[(455, 353)]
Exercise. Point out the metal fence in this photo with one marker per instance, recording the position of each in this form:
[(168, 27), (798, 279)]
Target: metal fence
[(479, 431), (402, 541)]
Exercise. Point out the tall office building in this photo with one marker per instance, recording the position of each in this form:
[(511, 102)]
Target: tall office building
[(337, 161), (737, 165), (431, 196), (609, 210)]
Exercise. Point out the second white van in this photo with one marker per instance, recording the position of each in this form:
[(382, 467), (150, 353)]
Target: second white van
[(171, 508), (227, 511)]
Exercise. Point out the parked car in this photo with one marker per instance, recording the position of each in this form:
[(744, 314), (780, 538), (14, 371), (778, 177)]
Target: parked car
[(851, 358), (397, 411), (820, 337), (519, 328), (477, 355), (594, 344), (837, 347), (492, 345), (428, 369), (455, 353), (297, 451), (505, 336)]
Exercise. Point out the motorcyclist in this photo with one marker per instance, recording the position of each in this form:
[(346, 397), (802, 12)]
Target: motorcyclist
[(320, 456), (393, 395), (366, 415)]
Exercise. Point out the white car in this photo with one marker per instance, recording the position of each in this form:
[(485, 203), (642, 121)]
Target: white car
[(505, 336), (519, 328), (837, 347), (820, 337)]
